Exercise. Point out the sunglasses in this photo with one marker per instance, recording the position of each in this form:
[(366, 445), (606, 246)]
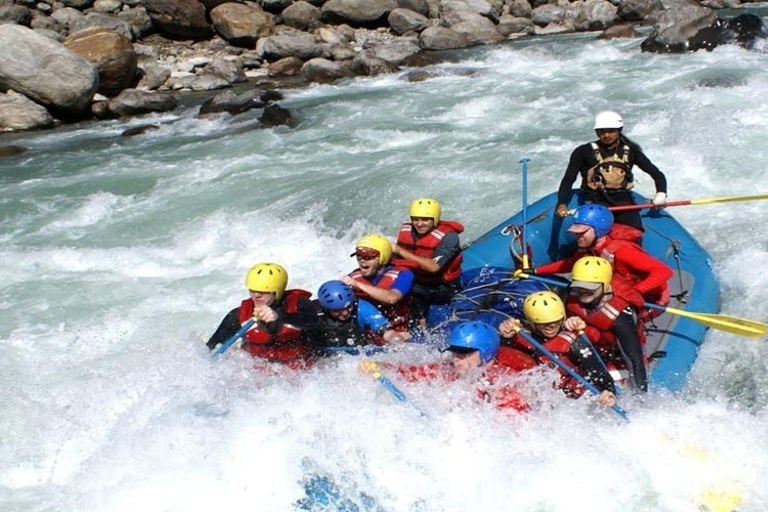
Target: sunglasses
[(366, 254)]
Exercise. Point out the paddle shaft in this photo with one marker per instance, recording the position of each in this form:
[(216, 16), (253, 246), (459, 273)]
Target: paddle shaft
[(570, 371), (396, 392), (526, 264), (247, 325), (689, 202)]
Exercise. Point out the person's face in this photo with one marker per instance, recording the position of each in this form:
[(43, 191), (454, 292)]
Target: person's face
[(262, 298), (586, 238), (368, 263), (465, 363), (341, 314), (587, 296), (608, 136), (423, 225), (549, 330)]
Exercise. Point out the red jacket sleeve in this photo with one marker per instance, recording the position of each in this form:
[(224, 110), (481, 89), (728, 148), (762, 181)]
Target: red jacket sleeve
[(641, 264)]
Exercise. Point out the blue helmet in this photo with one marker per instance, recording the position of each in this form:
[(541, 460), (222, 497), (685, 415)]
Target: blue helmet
[(335, 295), (478, 336), (596, 216)]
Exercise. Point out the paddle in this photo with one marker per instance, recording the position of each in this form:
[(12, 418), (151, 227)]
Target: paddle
[(224, 346), (526, 264), (585, 339), (584, 382), (373, 371), (731, 324), (688, 202)]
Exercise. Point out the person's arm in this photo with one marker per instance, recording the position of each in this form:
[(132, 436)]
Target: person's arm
[(642, 264), (400, 288), (575, 164), (227, 328), (444, 252), (644, 163), (590, 367), (369, 318)]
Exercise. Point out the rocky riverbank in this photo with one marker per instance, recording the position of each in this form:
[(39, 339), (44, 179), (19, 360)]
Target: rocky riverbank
[(72, 60)]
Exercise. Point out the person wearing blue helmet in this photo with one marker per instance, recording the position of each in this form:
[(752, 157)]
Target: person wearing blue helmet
[(477, 356), (634, 267), (605, 166), (344, 321)]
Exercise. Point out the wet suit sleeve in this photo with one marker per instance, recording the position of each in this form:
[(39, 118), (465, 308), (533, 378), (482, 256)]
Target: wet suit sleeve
[(227, 328), (305, 316), (590, 367), (370, 318), (448, 247), (580, 159), (644, 163)]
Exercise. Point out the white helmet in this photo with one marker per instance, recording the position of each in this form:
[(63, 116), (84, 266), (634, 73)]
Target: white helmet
[(609, 120)]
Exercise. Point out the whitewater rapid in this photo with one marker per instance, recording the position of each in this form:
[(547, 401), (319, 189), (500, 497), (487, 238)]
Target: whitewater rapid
[(120, 256)]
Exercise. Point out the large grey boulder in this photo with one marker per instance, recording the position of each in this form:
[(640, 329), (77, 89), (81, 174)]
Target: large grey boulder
[(242, 25), (289, 42), (419, 6), (17, 112), (548, 13), (233, 103), (180, 19), (103, 21), (478, 30), (133, 102), (406, 20), (324, 71), (45, 71), (301, 15), (358, 13), (442, 38), (679, 22), (17, 14), (638, 10), (397, 51), (746, 30), (597, 14)]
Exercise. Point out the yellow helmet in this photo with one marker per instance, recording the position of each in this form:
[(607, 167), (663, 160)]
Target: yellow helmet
[(427, 208), (590, 271), (543, 308), (373, 242), (267, 278)]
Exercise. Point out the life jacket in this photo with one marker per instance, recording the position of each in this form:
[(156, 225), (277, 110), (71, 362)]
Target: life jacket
[(398, 314), (659, 294), (286, 346), (611, 172), (560, 345), (425, 247), (336, 333)]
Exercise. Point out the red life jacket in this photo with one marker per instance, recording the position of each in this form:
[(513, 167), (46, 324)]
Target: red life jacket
[(608, 250), (285, 346), (425, 247), (398, 314)]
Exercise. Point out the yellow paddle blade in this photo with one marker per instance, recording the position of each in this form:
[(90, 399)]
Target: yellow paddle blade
[(728, 199), (731, 324)]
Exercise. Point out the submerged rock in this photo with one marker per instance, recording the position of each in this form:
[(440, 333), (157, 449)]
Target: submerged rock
[(12, 150)]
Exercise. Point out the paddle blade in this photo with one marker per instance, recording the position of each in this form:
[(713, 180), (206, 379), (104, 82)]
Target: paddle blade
[(731, 324)]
